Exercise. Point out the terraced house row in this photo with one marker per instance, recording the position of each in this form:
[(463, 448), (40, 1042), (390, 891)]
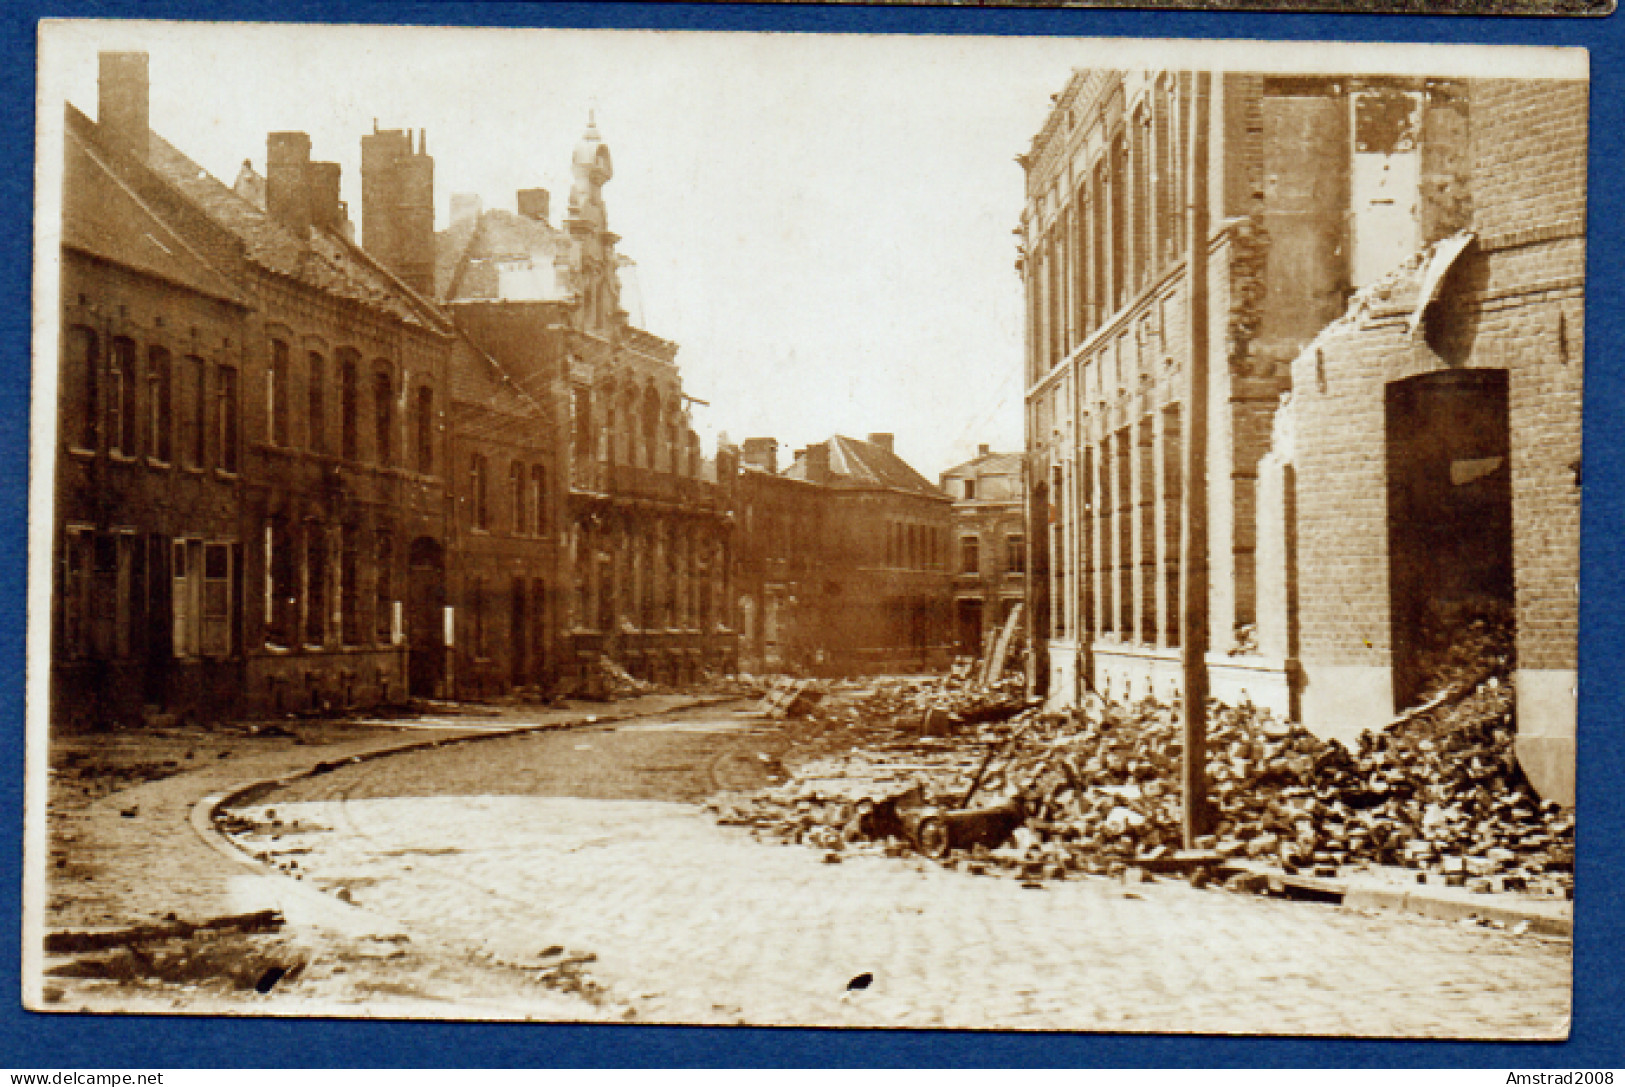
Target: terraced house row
[(1394, 292), (295, 473)]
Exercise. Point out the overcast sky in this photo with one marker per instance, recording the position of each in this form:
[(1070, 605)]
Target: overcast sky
[(822, 223)]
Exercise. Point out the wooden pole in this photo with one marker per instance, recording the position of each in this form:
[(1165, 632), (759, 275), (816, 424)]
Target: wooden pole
[(1193, 542)]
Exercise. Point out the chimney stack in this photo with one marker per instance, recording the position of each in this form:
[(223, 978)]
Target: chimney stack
[(287, 180), (982, 450), (762, 453), (533, 204), (121, 101), (397, 206), (818, 470), (883, 440), (326, 209)]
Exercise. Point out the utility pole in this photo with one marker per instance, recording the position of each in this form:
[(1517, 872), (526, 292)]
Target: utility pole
[(1193, 544)]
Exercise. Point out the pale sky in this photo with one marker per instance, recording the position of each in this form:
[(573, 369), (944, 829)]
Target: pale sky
[(822, 223)]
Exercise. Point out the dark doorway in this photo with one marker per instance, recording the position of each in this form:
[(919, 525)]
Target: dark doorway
[(970, 628), (1449, 522), (425, 618)]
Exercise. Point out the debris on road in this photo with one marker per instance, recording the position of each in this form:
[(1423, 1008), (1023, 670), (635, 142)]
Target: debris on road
[(1096, 790)]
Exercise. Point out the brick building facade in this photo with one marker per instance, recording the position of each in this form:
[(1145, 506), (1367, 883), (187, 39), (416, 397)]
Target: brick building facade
[(644, 532), (1319, 190), (247, 371), (990, 546), (884, 599)]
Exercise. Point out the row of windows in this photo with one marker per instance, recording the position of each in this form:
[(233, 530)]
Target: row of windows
[(306, 576), (126, 595), (132, 403), (527, 497), (1015, 554), (635, 430), (1124, 221), (915, 547), (282, 401)]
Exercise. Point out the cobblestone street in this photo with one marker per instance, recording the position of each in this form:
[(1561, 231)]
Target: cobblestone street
[(586, 840)]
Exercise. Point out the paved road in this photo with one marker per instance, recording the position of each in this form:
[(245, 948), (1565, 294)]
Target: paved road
[(591, 840)]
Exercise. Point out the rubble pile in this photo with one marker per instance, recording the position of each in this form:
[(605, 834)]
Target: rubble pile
[(1097, 790)]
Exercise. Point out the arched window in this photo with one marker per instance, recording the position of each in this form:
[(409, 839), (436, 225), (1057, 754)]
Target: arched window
[(383, 399)]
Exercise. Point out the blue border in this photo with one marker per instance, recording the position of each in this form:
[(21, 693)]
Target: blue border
[(65, 1042)]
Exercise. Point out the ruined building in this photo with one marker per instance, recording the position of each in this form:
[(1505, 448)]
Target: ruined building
[(1399, 262), (990, 542), (613, 471)]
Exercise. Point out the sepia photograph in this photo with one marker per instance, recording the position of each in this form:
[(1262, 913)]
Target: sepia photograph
[(795, 529)]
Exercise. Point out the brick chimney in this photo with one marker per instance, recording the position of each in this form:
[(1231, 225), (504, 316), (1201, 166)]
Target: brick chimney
[(818, 462), (533, 204), (287, 180), (883, 440), (983, 450), (327, 210), (762, 453), (121, 101), (397, 205)]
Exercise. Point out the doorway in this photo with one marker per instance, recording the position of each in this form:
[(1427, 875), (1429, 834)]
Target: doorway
[(425, 618), (1449, 522)]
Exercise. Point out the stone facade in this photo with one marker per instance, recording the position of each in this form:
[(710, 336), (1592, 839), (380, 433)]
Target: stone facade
[(989, 548)]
